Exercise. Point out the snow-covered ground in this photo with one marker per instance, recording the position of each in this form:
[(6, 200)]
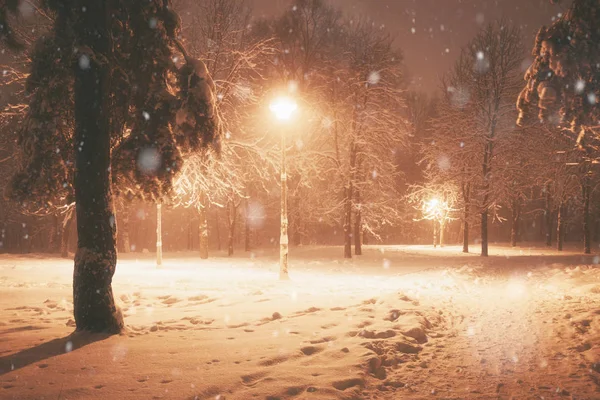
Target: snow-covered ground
[(400, 322)]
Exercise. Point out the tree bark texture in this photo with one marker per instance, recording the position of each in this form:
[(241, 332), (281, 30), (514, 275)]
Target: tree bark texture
[(96, 257)]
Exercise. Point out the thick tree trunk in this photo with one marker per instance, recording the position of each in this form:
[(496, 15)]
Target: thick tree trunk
[(95, 262), (548, 217), (560, 229), (203, 232), (66, 232), (159, 257), (358, 228), (587, 232), (514, 225)]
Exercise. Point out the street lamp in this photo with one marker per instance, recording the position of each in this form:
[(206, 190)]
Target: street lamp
[(283, 108), (437, 211)]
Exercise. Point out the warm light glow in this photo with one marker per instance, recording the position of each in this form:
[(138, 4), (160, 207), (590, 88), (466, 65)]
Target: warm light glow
[(283, 108), (433, 208)]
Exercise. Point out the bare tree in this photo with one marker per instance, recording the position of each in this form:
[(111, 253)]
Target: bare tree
[(483, 82)]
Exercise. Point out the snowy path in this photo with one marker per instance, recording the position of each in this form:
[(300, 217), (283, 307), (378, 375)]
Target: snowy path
[(515, 337), (401, 322)]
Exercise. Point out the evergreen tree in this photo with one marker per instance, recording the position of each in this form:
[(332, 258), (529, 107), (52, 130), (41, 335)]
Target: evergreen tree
[(563, 82), (109, 70)]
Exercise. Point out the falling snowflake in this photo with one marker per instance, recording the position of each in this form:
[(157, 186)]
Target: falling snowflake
[(444, 162), (149, 160), (591, 97), (374, 78), (84, 62), (579, 86), (146, 115), (152, 23)]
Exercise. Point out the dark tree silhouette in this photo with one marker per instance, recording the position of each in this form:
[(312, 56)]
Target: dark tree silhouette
[(109, 69)]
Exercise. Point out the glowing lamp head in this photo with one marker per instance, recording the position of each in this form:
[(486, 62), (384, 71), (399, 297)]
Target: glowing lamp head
[(433, 203), (283, 108)]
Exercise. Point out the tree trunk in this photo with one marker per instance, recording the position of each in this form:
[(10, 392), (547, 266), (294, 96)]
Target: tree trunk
[(54, 242), (548, 216), (159, 257), (435, 233), (66, 232), (466, 231), (124, 229), (203, 231), (358, 229), (466, 198), (514, 226), (247, 226), (190, 237), (95, 262), (442, 228), (217, 229), (487, 169), (560, 229), (232, 218), (484, 233), (587, 233), (348, 222)]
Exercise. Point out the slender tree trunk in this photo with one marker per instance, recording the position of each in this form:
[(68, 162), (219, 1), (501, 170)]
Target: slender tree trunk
[(54, 245), (484, 213), (124, 229), (442, 229), (560, 229), (203, 230), (435, 233), (466, 198), (487, 169), (95, 262), (548, 216), (217, 229), (514, 226), (159, 248), (348, 222), (358, 228), (587, 233), (189, 235), (232, 218), (66, 232), (247, 226), (466, 231)]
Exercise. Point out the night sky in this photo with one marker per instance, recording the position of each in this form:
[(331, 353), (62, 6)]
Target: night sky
[(441, 27)]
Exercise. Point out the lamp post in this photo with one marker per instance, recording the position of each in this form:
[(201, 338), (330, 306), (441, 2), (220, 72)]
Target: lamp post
[(283, 108)]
